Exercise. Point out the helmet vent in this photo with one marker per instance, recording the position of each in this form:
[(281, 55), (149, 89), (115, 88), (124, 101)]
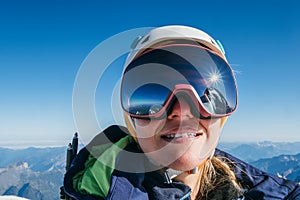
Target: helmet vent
[(146, 39)]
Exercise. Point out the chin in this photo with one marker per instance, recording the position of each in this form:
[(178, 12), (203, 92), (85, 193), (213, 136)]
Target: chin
[(186, 164)]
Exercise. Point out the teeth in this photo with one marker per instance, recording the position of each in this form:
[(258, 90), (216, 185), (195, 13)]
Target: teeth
[(171, 136)]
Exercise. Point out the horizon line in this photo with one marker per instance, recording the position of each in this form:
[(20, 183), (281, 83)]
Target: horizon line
[(9, 144)]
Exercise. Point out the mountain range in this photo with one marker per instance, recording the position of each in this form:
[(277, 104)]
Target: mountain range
[(34, 173), (286, 166), (37, 173), (251, 152)]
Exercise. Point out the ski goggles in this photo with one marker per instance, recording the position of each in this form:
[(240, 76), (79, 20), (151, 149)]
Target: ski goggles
[(153, 81)]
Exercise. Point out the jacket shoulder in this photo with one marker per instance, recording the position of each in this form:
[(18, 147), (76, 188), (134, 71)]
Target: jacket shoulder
[(106, 138), (259, 184)]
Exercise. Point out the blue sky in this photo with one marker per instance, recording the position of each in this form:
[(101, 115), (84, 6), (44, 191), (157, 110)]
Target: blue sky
[(43, 44)]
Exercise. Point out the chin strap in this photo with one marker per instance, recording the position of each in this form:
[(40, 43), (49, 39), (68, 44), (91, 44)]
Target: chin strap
[(169, 174)]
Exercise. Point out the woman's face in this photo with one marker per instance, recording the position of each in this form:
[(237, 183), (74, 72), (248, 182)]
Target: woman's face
[(180, 141)]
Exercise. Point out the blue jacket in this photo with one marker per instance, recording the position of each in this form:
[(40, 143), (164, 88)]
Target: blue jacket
[(118, 184)]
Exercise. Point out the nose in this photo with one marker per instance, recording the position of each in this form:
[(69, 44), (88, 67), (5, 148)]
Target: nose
[(181, 110)]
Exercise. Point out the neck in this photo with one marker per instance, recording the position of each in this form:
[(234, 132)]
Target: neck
[(192, 180)]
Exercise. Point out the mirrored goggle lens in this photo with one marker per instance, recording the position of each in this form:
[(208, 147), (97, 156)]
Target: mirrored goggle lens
[(150, 79)]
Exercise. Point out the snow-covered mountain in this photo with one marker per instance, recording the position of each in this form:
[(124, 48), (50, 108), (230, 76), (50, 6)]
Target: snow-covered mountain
[(11, 197), (22, 181), (287, 166), (250, 152), (37, 173), (34, 173), (38, 159)]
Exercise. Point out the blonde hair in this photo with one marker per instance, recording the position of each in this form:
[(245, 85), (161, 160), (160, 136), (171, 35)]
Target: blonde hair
[(218, 181)]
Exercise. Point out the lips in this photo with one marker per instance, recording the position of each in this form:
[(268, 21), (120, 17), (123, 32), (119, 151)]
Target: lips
[(172, 136), (182, 136)]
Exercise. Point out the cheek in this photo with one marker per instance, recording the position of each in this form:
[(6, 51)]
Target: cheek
[(204, 148), (147, 132), (146, 145), (146, 137), (147, 128), (213, 127)]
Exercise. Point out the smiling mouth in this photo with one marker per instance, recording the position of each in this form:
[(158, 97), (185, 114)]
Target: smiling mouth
[(181, 136)]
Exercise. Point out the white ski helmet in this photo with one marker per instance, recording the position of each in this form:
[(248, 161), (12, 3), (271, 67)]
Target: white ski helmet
[(168, 33)]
